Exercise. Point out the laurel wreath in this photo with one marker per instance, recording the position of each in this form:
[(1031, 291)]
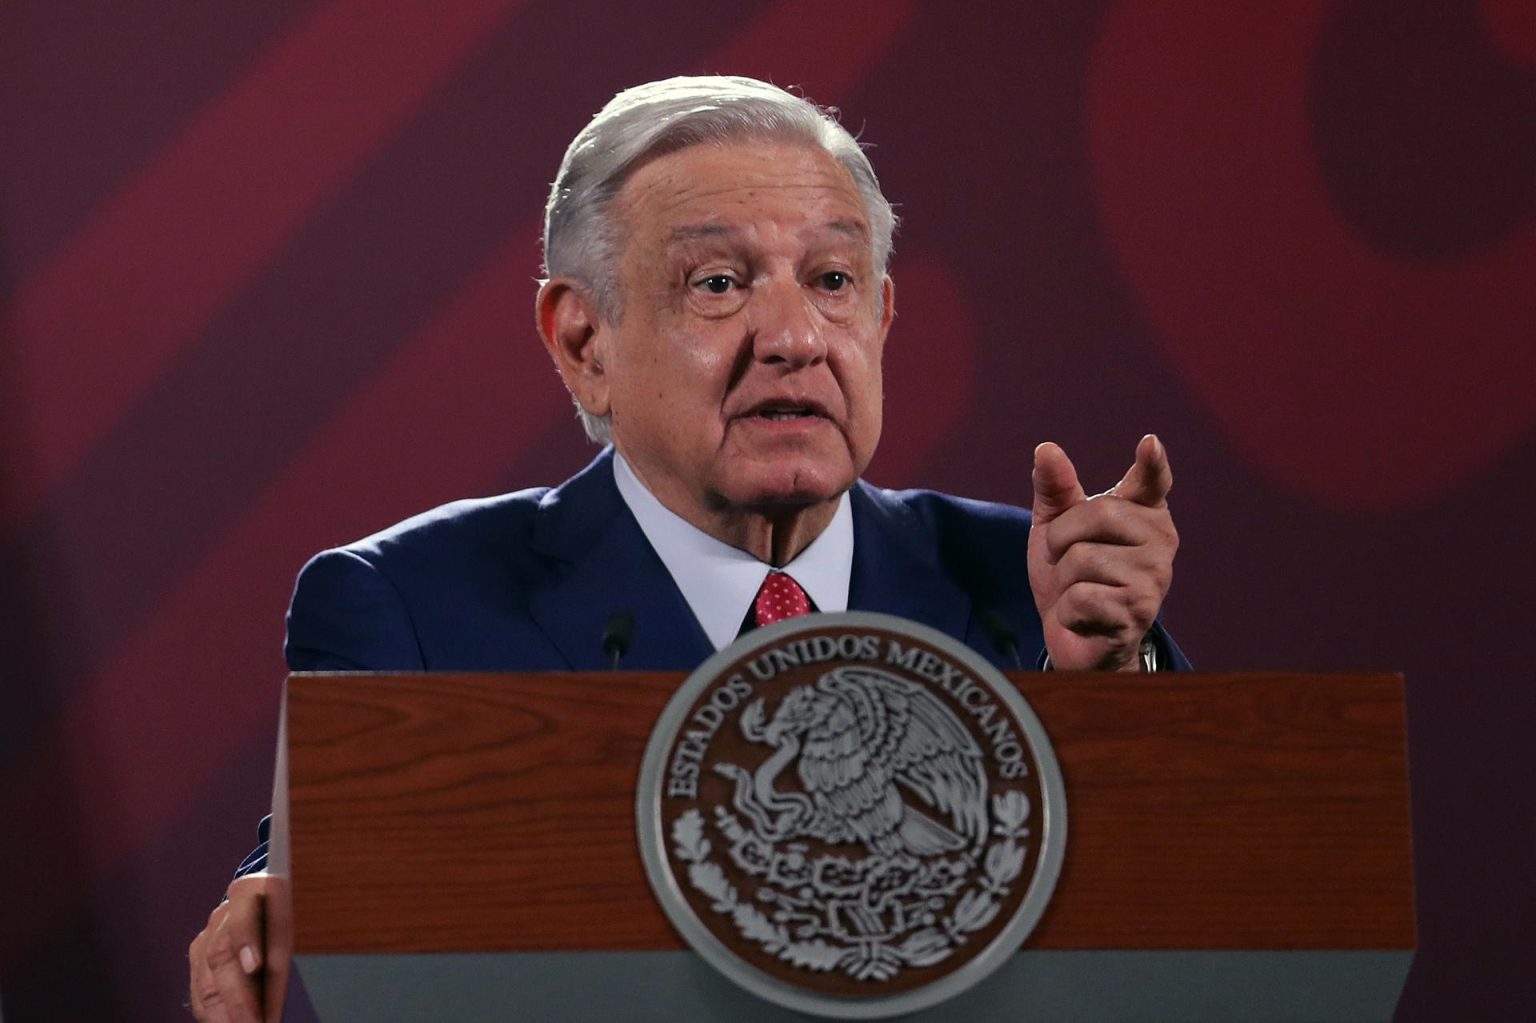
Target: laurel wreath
[(707, 877), (978, 907)]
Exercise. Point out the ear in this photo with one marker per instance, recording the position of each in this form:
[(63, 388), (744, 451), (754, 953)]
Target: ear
[(887, 306), (575, 336)]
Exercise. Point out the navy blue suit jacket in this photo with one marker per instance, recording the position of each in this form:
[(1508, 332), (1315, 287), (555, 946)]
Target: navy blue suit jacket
[(528, 582)]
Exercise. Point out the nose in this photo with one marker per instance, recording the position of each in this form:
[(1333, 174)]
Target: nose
[(785, 327)]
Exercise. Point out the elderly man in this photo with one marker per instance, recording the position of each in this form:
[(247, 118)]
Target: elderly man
[(717, 304)]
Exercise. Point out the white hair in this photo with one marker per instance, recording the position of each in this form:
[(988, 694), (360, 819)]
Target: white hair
[(581, 240)]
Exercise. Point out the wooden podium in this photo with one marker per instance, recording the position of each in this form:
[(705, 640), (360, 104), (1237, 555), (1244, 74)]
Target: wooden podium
[(462, 847)]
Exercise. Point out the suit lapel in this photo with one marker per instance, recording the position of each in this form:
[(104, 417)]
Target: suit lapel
[(604, 564), (896, 567)]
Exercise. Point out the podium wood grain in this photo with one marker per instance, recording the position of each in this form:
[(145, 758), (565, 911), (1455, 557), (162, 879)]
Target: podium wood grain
[(446, 813)]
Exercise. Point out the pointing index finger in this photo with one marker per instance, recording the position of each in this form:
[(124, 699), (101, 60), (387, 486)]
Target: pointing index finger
[(1150, 478)]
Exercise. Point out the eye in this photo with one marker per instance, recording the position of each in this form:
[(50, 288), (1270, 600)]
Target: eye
[(834, 280), (716, 284)]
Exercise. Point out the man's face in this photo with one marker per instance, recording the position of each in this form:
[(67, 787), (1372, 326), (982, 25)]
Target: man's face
[(744, 372)]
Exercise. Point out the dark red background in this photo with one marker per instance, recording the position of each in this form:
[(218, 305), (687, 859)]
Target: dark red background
[(266, 276)]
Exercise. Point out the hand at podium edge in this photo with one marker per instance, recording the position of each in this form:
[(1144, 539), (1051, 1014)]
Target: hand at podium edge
[(239, 963)]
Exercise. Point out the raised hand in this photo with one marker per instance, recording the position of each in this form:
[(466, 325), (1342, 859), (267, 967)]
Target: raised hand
[(1100, 566)]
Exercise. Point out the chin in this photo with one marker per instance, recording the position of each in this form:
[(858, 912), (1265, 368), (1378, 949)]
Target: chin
[(794, 484)]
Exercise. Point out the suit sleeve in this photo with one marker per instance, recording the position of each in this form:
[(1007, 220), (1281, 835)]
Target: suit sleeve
[(1170, 657), (347, 616)]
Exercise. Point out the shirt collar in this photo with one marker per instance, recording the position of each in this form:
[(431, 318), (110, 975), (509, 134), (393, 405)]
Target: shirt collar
[(719, 581)]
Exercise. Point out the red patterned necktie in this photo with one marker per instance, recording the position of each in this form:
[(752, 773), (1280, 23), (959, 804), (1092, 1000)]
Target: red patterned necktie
[(779, 597)]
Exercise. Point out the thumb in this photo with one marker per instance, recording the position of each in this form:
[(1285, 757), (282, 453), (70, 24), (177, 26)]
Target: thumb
[(1150, 478), (1056, 485)]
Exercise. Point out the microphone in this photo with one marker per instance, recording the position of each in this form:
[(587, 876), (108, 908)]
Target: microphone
[(1002, 635), (617, 635)]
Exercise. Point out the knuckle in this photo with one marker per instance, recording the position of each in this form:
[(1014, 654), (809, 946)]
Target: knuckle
[(1142, 614), (1082, 557), (239, 916), (1090, 610), (1068, 561), (206, 998), (247, 886), (1096, 509), (220, 954), (1115, 509)]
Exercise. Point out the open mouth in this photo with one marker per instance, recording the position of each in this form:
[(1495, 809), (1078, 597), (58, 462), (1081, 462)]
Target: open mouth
[(778, 415), (787, 411)]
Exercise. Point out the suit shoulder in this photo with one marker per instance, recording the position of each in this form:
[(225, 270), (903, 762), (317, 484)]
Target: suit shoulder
[(981, 545), (472, 545), (421, 594), (947, 512), (474, 525)]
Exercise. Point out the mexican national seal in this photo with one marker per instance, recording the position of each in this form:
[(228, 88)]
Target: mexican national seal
[(852, 815)]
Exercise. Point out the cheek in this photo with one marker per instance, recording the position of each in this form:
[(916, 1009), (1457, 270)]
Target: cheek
[(697, 367), (873, 412), (869, 383)]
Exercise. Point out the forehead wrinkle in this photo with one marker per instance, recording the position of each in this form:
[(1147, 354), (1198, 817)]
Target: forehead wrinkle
[(855, 229), (673, 195), (672, 189), (695, 232)]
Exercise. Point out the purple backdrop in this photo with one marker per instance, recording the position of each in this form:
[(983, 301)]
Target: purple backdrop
[(266, 279)]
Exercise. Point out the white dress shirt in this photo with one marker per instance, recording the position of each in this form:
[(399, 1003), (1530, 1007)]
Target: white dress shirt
[(719, 581)]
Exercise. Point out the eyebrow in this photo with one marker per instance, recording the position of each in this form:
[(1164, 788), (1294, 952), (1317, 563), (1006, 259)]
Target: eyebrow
[(856, 229)]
